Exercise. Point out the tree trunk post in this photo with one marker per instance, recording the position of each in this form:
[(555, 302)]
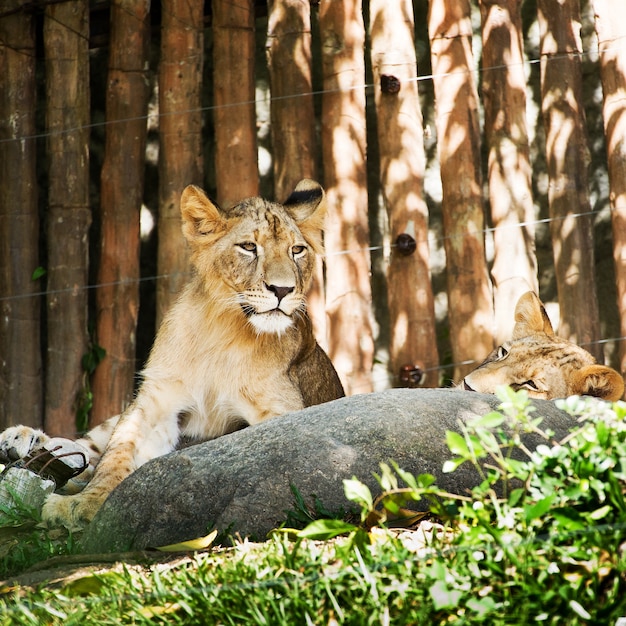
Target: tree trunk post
[(611, 29), (470, 307), (66, 41), (567, 156), (403, 164), (180, 138), (293, 118), (121, 194), (236, 160), (514, 268), (20, 350), (348, 289)]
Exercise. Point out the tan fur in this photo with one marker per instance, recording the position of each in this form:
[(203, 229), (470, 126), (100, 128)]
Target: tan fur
[(540, 362), (237, 347)]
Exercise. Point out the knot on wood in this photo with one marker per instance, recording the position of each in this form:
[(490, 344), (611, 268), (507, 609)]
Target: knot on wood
[(412, 375), (405, 244), (389, 84)]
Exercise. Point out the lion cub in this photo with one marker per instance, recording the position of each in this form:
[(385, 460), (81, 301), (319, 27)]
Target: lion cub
[(538, 361), (236, 348)]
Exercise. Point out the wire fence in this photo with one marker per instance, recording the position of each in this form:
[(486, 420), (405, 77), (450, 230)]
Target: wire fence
[(434, 240)]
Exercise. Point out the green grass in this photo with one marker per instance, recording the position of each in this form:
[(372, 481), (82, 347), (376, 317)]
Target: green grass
[(538, 541)]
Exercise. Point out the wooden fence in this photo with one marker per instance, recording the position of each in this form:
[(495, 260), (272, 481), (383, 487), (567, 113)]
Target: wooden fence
[(388, 104)]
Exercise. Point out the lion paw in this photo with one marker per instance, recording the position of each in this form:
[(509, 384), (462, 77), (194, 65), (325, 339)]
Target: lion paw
[(73, 512), (17, 442)]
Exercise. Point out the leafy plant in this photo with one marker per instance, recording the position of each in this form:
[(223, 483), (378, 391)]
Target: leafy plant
[(543, 528), (84, 402), (540, 539)]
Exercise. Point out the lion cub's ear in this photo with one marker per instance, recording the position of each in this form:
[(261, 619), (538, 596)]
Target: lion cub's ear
[(200, 216), (599, 381), (531, 317), (307, 206)]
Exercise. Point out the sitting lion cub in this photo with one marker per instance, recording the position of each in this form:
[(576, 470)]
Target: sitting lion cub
[(538, 361), (235, 349)]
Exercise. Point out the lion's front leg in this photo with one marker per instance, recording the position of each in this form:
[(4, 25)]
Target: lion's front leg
[(76, 511), (142, 433)]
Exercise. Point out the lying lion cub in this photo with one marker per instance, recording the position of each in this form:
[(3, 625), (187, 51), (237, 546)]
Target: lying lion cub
[(538, 361), (236, 348)]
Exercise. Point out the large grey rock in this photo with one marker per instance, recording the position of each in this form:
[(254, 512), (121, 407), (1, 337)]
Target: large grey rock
[(241, 482)]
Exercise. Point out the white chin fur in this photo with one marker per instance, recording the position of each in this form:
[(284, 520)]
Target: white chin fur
[(273, 322)]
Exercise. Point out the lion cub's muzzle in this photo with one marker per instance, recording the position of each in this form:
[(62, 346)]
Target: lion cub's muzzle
[(466, 387), (270, 311)]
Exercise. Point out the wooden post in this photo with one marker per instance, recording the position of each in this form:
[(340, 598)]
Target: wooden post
[(293, 117), (470, 308), (510, 186), (403, 163), (567, 156), (180, 137), (611, 30), (292, 114), (117, 296), (66, 41), (20, 350), (236, 161), (348, 289)]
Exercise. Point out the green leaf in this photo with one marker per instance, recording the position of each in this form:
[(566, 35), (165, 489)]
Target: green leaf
[(407, 477), (515, 496), (323, 529), (38, 273), (600, 513), (491, 420), (201, 543), (443, 597), (579, 609), (452, 464), (425, 480), (483, 606), (393, 504), (569, 519), (89, 585), (356, 491), (539, 509), (388, 481), (457, 444)]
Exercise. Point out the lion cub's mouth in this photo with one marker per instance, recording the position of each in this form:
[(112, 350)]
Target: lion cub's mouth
[(273, 322)]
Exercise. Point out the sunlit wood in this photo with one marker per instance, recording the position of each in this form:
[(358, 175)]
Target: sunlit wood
[(514, 268), (348, 290), (567, 157), (470, 308), (403, 162)]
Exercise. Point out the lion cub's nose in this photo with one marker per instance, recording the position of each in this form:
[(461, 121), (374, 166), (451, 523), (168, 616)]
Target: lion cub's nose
[(279, 292)]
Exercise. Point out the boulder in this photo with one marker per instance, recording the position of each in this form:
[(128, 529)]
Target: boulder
[(240, 483)]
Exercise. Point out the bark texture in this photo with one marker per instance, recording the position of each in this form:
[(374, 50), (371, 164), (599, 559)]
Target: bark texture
[(348, 289), (117, 296), (236, 167), (470, 308), (66, 39), (567, 156), (610, 18), (180, 137), (514, 268), (20, 350), (403, 163), (294, 145)]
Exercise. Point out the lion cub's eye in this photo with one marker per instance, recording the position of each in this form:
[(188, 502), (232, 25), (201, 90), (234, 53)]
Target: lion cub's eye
[(502, 352), (248, 246), (530, 384), (298, 250)]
